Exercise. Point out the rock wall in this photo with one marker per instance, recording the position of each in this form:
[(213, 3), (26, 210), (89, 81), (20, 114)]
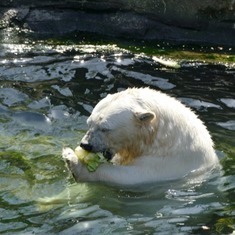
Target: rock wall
[(208, 21)]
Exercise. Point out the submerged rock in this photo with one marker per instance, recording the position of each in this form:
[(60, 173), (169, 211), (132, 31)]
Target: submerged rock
[(210, 21)]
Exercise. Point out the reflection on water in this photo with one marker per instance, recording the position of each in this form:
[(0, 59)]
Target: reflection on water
[(46, 94)]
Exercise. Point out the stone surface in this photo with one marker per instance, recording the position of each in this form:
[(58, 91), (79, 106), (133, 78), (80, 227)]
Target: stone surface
[(209, 21)]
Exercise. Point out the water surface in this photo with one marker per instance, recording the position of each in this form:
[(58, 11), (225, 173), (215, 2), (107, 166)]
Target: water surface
[(46, 94)]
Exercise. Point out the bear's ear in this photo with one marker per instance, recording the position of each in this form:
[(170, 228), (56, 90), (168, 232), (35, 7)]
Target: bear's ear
[(145, 116)]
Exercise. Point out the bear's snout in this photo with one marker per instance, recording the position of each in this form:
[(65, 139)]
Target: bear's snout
[(86, 146), (93, 142), (86, 142)]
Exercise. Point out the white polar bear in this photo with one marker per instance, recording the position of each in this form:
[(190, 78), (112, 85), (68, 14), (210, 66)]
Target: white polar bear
[(148, 135)]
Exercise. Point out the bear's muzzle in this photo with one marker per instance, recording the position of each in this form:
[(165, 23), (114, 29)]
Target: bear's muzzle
[(107, 153)]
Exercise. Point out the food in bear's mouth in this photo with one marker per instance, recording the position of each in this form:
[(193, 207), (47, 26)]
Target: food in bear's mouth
[(90, 159)]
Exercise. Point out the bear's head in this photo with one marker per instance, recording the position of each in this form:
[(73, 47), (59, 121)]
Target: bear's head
[(120, 126)]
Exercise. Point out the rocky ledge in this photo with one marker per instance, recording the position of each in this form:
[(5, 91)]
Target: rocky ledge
[(209, 22)]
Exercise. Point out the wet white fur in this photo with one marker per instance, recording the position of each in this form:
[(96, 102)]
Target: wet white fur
[(181, 144)]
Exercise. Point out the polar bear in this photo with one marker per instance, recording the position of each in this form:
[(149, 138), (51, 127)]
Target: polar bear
[(149, 137)]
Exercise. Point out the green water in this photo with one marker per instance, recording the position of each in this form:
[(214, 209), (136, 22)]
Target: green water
[(47, 91)]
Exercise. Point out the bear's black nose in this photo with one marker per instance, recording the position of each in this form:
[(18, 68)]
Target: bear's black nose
[(86, 146)]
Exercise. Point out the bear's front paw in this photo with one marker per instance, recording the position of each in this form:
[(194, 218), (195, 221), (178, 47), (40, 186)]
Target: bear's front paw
[(69, 155), (72, 162)]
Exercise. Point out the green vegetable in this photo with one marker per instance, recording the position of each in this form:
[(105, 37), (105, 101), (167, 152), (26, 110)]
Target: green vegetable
[(91, 160)]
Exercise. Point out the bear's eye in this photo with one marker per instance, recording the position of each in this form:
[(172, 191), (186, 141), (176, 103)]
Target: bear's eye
[(104, 129)]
